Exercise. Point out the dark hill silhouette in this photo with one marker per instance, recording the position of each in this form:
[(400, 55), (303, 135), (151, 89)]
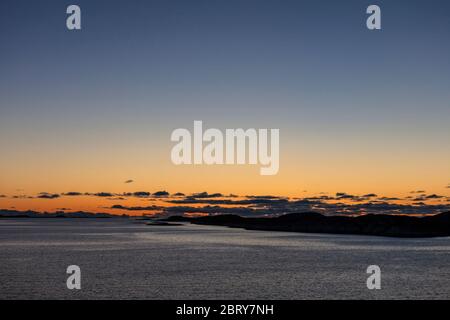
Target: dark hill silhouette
[(371, 224), (5, 213)]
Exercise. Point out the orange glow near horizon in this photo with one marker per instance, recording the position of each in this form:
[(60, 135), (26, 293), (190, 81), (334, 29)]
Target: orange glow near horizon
[(306, 170)]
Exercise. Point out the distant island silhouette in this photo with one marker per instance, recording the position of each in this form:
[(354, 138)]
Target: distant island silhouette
[(4, 213), (387, 225), (313, 222)]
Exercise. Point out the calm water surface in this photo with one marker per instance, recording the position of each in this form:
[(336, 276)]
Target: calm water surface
[(122, 259)]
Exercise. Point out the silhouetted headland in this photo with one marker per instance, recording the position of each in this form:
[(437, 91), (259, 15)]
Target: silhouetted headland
[(4, 213), (163, 223), (312, 222)]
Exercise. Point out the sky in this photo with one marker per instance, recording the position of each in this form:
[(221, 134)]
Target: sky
[(359, 111)]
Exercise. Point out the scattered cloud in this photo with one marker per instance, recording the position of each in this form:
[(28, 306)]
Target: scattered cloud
[(178, 194), (179, 210), (265, 197), (277, 207), (343, 195), (161, 194), (206, 195), (141, 194), (256, 201), (22, 196), (433, 196), (46, 195), (103, 194), (266, 205), (72, 194), (388, 198)]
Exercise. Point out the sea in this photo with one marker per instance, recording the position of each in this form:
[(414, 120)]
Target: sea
[(121, 258)]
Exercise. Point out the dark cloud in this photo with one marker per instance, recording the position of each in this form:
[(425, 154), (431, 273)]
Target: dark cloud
[(103, 194), (2, 196), (46, 195), (178, 194), (206, 195), (267, 205), (388, 198), (161, 194), (346, 196), (277, 208), (265, 197), (179, 210), (424, 197), (137, 208), (129, 181), (141, 194), (390, 208), (321, 198), (72, 193), (249, 202), (22, 196), (433, 196)]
